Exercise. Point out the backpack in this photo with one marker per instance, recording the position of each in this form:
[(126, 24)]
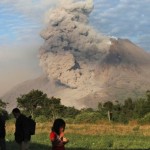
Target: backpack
[(32, 125)]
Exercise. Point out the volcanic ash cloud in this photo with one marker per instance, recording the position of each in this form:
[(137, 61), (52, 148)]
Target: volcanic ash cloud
[(72, 50)]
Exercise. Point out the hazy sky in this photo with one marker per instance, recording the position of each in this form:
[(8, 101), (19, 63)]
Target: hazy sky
[(22, 20)]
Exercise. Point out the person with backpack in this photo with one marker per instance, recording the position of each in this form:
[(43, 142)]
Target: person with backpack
[(22, 132), (57, 135)]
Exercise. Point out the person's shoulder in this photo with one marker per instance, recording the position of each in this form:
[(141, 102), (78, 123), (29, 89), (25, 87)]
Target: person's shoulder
[(22, 117), (52, 135)]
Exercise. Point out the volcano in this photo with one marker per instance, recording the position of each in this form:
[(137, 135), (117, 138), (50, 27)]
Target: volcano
[(83, 67), (124, 72)]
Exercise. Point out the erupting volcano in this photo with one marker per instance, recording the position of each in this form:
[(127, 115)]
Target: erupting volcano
[(84, 67)]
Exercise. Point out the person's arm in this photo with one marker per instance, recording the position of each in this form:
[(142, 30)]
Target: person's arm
[(63, 139), (52, 136), (61, 135)]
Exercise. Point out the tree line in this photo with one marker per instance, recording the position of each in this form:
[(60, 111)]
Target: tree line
[(40, 107)]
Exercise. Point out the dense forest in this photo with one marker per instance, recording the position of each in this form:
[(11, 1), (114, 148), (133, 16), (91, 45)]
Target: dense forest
[(41, 108)]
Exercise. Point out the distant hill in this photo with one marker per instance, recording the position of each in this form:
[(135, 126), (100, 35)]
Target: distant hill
[(41, 83), (123, 72)]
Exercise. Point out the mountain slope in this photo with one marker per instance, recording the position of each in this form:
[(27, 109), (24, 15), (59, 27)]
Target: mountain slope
[(123, 72), (41, 83), (84, 67)]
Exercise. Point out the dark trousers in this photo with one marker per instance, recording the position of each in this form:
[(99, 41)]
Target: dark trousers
[(2, 144)]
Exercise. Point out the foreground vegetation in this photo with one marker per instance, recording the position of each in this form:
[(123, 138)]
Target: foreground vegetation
[(103, 135), (41, 108), (109, 126)]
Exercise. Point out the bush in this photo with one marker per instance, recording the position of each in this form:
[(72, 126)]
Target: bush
[(88, 117), (145, 120), (4, 114), (70, 112), (41, 118), (69, 120)]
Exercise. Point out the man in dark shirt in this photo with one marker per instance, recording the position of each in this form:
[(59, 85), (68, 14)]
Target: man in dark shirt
[(2, 133), (22, 135)]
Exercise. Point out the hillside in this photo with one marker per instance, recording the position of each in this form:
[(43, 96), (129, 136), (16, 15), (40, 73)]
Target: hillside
[(41, 83), (124, 72), (84, 67)]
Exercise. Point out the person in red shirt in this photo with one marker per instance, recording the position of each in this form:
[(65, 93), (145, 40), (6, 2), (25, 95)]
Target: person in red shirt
[(57, 135)]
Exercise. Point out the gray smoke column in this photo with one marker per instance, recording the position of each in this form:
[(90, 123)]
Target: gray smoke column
[(72, 50)]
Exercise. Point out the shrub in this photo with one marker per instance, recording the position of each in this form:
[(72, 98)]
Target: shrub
[(69, 120), (41, 118), (145, 120), (88, 117)]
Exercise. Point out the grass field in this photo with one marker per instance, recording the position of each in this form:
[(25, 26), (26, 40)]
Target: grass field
[(90, 136)]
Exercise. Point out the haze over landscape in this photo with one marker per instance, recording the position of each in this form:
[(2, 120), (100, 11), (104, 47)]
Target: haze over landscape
[(102, 64)]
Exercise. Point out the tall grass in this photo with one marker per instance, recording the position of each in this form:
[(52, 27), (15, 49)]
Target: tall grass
[(103, 135)]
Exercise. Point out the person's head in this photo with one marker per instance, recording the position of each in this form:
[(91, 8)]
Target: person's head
[(16, 112), (58, 126)]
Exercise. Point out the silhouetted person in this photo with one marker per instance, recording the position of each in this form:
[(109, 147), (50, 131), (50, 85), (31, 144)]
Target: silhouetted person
[(2, 133), (57, 135), (22, 135)]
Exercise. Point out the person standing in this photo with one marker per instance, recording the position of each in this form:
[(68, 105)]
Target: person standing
[(2, 133), (57, 135), (22, 134)]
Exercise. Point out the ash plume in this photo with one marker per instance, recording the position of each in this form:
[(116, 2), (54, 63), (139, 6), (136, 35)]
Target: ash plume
[(72, 49)]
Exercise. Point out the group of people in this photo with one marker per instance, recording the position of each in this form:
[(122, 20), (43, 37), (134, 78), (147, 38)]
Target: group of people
[(23, 137)]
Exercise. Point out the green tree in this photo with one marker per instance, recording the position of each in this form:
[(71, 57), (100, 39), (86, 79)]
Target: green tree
[(128, 104), (100, 106), (108, 106), (117, 106), (139, 108), (147, 106), (31, 101), (142, 106), (128, 108), (148, 95), (2, 105), (3, 111), (52, 108), (70, 112)]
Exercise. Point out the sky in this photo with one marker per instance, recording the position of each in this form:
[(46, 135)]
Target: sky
[(21, 22)]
